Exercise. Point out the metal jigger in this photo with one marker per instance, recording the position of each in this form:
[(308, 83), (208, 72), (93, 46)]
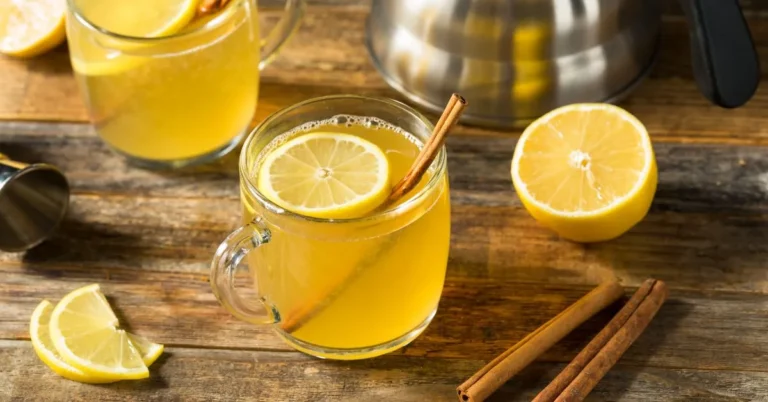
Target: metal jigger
[(33, 201)]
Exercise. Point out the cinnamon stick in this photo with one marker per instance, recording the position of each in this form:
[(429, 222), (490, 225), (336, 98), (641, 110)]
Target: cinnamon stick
[(296, 318), (616, 346), (501, 369), (565, 377), (207, 7), (431, 148)]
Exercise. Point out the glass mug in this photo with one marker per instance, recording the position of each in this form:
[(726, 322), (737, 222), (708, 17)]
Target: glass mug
[(175, 100), (345, 288)]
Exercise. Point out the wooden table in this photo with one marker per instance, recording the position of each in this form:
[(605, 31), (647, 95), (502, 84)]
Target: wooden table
[(147, 237)]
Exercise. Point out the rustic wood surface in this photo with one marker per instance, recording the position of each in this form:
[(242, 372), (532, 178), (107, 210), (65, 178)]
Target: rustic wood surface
[(147, 237)]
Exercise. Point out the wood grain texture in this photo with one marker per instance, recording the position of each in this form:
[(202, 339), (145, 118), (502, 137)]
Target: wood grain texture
[(692, 177), (329, 58), (223, 375), (690, 251), (477, 318), (147, 237)]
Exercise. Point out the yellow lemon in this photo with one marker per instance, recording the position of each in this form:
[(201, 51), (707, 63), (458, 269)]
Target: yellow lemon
[(587, 171), (326, 175), (46, 351), (31, 27), (85, 333)]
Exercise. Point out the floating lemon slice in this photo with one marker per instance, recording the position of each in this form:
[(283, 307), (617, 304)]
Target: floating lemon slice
[(46, 351), (139, 18), (84, 332), (326, 175), (31, 27), (97, 54), (586, 170)]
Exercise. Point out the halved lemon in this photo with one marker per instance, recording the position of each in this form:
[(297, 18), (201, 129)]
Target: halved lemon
[(31, 27), (586, 171), (84, 332), (46, 351), (326, 175)]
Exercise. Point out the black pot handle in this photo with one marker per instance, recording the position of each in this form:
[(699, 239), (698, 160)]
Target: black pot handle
[(724, 59)]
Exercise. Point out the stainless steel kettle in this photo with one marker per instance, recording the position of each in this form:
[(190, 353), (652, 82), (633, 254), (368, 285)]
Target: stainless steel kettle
[(517, 59)]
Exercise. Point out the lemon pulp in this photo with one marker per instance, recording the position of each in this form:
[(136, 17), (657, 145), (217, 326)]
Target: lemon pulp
[(326, 175)]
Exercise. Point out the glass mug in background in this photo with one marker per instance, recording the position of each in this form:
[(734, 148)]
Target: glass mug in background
[(344, 288), (175, 100)]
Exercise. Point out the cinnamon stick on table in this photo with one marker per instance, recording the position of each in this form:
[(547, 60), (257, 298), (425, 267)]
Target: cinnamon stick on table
[(509, 363), (609, 354), (585, 356)]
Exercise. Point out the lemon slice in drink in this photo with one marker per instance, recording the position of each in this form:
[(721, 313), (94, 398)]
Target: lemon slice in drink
[(46, 351), (586, 170), (139, 18), (96, 54), (326, 175), (31, 27), (84, 332)]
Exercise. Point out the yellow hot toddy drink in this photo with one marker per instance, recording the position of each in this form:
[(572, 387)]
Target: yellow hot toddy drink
[(341, 271), (163, 86)]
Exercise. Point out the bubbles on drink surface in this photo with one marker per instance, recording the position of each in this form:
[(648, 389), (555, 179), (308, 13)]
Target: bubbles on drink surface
[(362, 126)]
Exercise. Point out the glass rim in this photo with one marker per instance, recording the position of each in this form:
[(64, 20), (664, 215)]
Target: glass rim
[(208, 26), (440, 163)]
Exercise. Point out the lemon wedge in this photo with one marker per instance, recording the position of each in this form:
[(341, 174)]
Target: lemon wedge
[(46, 351), (31, 27), (41, 342), (586, 171), (84, 332), (326, 175)]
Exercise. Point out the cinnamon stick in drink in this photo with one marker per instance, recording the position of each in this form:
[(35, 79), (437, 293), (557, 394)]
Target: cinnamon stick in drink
[(428, 153), (296, 318), (501, 369)]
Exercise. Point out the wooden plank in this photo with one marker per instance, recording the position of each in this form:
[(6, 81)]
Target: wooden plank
[(693, 177), (212, 375), (477, 318), (668, 103), (708, 221)]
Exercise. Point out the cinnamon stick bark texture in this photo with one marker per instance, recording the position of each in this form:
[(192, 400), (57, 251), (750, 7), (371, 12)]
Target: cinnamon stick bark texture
[(424, 160), (568, 374), (616, 346), (501, 369)]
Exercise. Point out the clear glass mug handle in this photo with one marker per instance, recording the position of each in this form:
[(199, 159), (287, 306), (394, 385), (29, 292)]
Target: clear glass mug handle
[(225, 263), (294, 10)]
